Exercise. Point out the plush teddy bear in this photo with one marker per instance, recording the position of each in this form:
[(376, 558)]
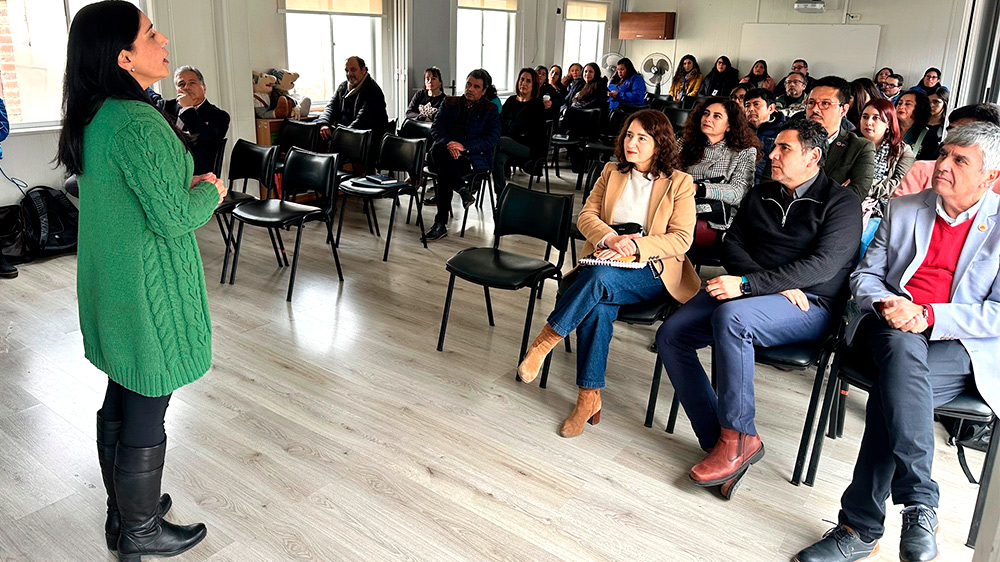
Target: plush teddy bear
[(263, 85), (282, 90)]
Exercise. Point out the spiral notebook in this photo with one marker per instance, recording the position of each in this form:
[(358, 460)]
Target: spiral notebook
[(624, 262)]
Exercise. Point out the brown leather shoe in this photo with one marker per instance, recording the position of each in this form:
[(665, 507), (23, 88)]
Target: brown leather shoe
[(728, 488), (587, 410), (537, 351), (733, 452)]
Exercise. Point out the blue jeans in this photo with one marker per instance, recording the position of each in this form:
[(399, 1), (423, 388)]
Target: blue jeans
[(732, 327), (914, 376), (590, 306)]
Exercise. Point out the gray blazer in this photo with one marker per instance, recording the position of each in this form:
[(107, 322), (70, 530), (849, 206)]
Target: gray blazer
[(973, 315)]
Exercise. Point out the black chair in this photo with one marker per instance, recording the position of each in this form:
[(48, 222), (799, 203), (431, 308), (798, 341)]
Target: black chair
[(661, 104), (593, 173), (603, 148), (220, 155), (791, 357), (411, 129), (295, 134), (352, 146), (851, 369), (477, 181), (396, 155), (690, 101), (578, 126), (540, 165), (248, 161), (677, 117), (523, 212), (305, 172)]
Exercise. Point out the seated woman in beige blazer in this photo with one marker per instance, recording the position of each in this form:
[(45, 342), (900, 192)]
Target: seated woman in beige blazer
[(643, 187)]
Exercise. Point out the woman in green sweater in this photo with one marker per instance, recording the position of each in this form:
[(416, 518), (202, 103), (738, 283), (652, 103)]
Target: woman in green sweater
[(140, 283)]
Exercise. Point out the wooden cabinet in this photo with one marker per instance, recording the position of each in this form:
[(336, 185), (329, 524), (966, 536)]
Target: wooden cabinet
[(267, 130), (646, 25)]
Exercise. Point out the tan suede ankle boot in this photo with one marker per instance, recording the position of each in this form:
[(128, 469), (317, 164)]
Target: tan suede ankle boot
[(587, 410), (537, 351)]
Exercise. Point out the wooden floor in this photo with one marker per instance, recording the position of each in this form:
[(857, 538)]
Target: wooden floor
[(331, 428)]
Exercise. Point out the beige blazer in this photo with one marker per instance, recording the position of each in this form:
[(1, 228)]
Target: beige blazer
[(669, 225)]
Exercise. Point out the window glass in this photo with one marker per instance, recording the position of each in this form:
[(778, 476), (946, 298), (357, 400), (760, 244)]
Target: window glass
[(583, 42), (318, 45), (486, 39)]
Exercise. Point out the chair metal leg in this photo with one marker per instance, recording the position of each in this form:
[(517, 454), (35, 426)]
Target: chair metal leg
[(447, 308), (546, 167), (274, 247), (295, 260), (409, 209), (281, 246), (824, 418), (388, 234), (675, 405), (336, 257), (493, 202), (227, 240), (420, 221), (527, 323), (984, 485), (842, 408), (371, 208), (555, 160), (543, 383), (368, 216), (340, 225), (807, 428), (489, 305), (572, 250), (654, 391), (236, 253)]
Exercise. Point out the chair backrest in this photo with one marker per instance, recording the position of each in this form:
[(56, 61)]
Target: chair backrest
[(351, 144), (582, 123), (250, 161), (616, 121), (536, 214), (593, 174), (677, 117), (220, 155), (661, 104), (402, 155), (310, 172), (298, 134), (690, 101), (411, 129)]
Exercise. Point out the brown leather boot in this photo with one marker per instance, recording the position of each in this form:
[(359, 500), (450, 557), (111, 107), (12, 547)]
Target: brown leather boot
[(537, 351), (732, 453), (587, 410), (728, 488)]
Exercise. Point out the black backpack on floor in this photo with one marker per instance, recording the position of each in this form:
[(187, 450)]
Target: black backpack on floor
[(51, 221)]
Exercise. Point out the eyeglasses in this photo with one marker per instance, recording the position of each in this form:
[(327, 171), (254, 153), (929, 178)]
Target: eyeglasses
[(800, 82), (889, 86), (798, 67), (823, 104)]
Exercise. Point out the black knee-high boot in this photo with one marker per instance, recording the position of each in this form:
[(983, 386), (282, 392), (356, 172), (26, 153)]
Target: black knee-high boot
[(137, 485), (107, 444)]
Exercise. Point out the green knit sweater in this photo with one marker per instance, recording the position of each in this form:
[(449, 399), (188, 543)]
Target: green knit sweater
[(140, 281)]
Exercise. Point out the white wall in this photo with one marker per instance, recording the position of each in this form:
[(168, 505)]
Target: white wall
[(915, 34)]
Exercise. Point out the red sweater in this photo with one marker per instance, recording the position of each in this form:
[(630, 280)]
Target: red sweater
[(931, 283)]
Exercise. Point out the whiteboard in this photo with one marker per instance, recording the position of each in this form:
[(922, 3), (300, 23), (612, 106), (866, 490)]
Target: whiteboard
[(848, 51)]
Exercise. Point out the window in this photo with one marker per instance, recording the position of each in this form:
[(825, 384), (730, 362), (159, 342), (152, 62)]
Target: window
[(584, 39), (318, 45), (486, 40), (33, 35)]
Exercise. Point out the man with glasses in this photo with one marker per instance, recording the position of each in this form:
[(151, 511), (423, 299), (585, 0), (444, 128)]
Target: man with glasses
[(892, 88), (851, 159), (794, 98), (802, 67)]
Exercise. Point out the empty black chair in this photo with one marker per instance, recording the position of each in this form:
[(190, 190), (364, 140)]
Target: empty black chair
[(593, 173), (248, 161), (540, 165), (602, 148), (396, 155), (298, 134), (661, 104), (524, 212), (220, 155), (677, 117), (578, 127), (850, 368), (411, 129), (305, 172), (352, 146)]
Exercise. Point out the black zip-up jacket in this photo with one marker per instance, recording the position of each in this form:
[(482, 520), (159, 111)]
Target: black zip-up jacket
[(809, 243)]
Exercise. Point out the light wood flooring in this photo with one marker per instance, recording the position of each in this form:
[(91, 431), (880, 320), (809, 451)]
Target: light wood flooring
[(331, 428)]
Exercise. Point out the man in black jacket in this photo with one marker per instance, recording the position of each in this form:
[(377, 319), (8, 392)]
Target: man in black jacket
[(206, 123), (358, 103), (789, 253)]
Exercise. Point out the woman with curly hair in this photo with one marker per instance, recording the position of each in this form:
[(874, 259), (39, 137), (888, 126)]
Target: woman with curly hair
[(644, 187), (720, 150), (687, 79), (758, 77), (893, 157)]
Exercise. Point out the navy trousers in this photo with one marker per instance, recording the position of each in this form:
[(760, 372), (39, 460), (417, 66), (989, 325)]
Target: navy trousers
[(914, 376), (732, 327), (590, 306)]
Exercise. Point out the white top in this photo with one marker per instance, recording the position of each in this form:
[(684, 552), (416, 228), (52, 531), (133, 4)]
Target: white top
[(633, 205)]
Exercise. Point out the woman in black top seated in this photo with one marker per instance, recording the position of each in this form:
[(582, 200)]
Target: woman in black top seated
[(931, 145), (594, 92), (522, 123), (721, 80), (552, 98), (913, 109), (425, 103), (556, 80)]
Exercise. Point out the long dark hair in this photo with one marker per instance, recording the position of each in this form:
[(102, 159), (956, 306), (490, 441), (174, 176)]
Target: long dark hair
[(739, 136), (859, 88), (922, 111), (753, 78), (98, 34), (658, 127), (695, 69), (630, 71), (593, 88), (534, 81), (887, 112)]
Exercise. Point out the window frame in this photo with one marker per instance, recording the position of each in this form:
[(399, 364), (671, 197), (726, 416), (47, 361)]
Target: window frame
[(604, 46), (513, 51)]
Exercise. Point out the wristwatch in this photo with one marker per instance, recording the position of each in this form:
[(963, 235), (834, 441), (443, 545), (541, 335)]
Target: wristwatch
[(744, 285)]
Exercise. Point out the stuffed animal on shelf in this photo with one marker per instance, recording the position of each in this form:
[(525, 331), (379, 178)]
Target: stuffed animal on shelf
[(263, 85), (283, 88)]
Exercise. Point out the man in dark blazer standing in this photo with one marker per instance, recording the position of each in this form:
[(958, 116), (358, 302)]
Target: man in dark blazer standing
[(358, 103), (195, 115)]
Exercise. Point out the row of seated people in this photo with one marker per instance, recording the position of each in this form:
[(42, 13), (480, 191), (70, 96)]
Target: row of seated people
[(930, 306)]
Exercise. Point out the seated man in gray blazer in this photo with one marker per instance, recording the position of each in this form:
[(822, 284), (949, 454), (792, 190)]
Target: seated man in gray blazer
[(929, 290)]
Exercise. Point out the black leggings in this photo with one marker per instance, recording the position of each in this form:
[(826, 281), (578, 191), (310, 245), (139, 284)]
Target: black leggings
[(141, 416)]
